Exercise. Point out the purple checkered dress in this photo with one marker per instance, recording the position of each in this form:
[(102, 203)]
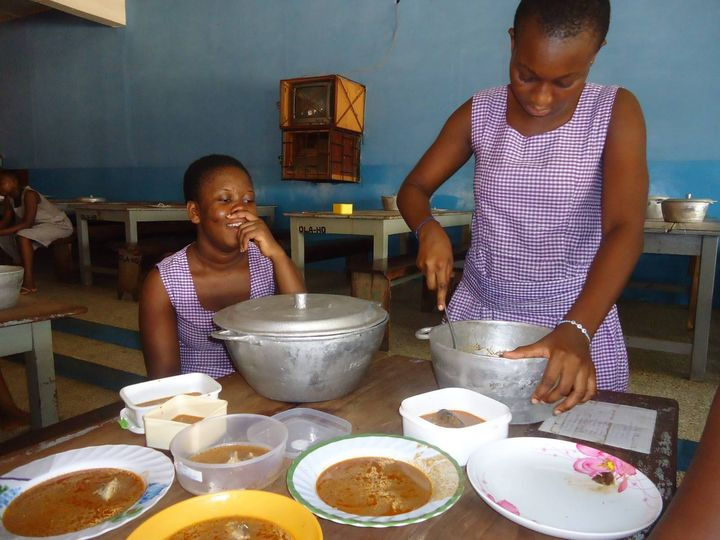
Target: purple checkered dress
[(198, 351), (537, 222)]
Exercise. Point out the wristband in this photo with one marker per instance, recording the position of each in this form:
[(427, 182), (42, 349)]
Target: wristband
[(579, 327), (425, 221)]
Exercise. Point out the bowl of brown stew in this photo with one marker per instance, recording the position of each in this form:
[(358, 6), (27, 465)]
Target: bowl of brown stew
[(236, 451), (456, 420)]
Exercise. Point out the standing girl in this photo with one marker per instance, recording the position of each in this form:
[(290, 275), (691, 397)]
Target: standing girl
[(234, 258), (560, 193)]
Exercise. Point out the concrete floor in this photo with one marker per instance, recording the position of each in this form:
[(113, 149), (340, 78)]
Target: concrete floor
[(651, 373)]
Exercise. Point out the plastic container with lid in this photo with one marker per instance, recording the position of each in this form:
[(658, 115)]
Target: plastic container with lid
[(307, 427)]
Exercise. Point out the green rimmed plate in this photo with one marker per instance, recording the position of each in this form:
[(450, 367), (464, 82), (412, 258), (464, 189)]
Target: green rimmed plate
[(445, 475)]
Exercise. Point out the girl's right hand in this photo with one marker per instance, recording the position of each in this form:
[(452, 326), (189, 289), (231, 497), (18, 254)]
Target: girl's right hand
[(435, 259)]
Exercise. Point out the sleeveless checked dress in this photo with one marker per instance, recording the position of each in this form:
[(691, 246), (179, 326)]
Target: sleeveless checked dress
[(537, 222), (198, 351)]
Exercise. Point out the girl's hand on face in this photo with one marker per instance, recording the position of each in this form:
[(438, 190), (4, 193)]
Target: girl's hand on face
[(435, 259), (570, 372), (256, 230)]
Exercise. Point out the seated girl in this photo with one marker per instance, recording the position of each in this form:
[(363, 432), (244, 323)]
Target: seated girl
[(37, 222), (233, 258)]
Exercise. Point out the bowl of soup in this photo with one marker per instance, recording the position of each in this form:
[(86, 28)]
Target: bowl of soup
[(141, 398), (456, 420), (236, 451), (232, 514)]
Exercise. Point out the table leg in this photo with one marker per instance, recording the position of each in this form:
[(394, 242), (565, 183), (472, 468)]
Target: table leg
[(703, 311), (40, 366), (131, 234), (380, 245), (297, 246), (84, 250)]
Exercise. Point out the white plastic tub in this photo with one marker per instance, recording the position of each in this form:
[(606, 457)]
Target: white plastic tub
[(160, 428), (136, 396), (460, 443)]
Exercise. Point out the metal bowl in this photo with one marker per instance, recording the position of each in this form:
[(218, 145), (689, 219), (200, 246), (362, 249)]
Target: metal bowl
[(654, 208), (685, 210), (304, 347), (10, 282), (475, 363)]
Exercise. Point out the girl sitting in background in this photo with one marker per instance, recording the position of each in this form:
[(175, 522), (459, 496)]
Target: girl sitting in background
[(233, 258), (38, 222)]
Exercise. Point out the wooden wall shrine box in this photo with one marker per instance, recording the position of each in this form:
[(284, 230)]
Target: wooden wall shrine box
[(329, 101)]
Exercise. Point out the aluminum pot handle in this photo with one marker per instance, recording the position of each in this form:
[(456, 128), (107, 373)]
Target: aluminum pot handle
[(230, 335), (424, 333)]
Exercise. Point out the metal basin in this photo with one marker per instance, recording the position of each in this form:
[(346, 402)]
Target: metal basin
[(475, 363), (686, 210), (10, 282), (310, 348)]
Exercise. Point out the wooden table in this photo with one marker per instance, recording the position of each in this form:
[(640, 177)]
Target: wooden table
[(130, 214), (25, 328), (696, 240), (372, 408), (379, 224)]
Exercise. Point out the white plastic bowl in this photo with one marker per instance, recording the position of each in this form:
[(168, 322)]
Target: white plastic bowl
[(255, 473), (136, 394), (460, 443), (160, 428), (10, 282)]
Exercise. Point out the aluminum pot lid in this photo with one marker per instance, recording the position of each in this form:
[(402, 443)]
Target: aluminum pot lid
[(307, 314), (689, 198)]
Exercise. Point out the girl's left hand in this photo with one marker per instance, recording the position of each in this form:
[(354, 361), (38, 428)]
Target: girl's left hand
[(570, 372), (256, 230)]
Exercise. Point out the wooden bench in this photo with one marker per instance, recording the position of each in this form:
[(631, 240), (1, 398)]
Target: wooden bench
[(372, 280)]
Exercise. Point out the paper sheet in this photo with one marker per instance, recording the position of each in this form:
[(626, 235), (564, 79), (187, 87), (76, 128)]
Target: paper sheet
[(622, 426)]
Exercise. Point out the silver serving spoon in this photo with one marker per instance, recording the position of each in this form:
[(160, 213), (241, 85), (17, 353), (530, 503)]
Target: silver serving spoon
[(452, 330)]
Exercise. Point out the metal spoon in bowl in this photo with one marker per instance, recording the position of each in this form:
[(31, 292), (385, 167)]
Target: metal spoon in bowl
[(452, 330)]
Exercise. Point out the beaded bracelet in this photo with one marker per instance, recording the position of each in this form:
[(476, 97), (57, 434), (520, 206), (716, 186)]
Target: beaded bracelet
[(422, 224), (579, 327)]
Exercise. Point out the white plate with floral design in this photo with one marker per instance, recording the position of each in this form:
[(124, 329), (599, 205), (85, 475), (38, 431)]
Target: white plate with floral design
[(564, 489), (446, 476), (152, 466)]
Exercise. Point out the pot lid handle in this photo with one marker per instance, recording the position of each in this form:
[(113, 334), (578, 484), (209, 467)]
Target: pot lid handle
[(301, 301)]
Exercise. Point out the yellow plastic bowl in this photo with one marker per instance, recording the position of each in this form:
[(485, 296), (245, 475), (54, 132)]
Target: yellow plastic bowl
[(278, 509)]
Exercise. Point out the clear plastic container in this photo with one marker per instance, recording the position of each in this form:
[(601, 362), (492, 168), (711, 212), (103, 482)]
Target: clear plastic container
[(254, 473), (460, 443), (307, 427)]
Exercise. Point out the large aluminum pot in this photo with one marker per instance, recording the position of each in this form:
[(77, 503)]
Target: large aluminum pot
[(476, 363), (303, 347), (685, 210), (10, 282)]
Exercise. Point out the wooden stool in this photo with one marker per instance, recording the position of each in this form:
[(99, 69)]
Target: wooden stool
[(129, 271), (63, 262)]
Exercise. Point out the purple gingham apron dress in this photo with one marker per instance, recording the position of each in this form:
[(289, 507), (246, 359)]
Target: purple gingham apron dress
[(198, 351), (537, 222)]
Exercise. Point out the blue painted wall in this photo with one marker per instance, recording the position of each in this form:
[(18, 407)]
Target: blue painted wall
[(121, 112)]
